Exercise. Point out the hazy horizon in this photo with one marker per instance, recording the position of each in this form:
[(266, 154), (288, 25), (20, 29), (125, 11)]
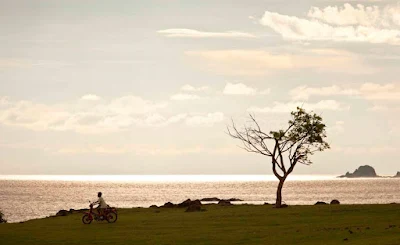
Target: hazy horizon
[(148, 87)]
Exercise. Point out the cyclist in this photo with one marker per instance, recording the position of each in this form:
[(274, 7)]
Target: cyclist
[(102, 204)]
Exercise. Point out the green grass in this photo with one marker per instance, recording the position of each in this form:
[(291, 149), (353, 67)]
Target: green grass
[(242, 224)]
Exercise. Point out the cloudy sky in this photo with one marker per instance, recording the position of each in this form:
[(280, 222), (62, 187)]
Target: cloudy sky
[(148, 87)]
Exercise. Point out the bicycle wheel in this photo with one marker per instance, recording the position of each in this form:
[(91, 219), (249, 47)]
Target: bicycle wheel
[(112, 217), (86, 219)]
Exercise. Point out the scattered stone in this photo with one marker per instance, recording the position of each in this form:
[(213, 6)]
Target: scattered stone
[(62, 213), (224, 203), (210, 199), (334, 201), (194, 206), (235, 200), (185, 203), (265, 203), (350, 231), (153, 206), (320, 203), (397, 175), (169, 205), (346, 239)]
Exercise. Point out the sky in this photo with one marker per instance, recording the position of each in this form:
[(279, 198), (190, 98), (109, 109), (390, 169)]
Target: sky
[(149, 87)]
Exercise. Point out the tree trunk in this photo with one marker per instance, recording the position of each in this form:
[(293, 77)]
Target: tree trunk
[(278, 203)]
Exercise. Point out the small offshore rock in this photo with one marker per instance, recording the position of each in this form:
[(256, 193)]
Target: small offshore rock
[(334, 201), (363, 171), (320, 203)]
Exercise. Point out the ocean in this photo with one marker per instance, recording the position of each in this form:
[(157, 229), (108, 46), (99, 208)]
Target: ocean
[(31, 196)]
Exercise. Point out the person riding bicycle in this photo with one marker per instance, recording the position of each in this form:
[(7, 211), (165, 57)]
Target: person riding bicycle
[(102, 204)]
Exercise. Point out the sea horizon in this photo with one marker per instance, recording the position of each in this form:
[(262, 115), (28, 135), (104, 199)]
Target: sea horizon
[(164, 177)]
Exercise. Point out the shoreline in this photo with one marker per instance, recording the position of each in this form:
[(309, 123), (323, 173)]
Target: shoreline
[(205, 204), (219, 225)]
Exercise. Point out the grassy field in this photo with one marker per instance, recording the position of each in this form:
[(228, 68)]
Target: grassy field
[(242, 224)]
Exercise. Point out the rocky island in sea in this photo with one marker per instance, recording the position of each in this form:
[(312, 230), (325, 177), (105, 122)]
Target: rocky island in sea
[(365, 171), (361, 172)]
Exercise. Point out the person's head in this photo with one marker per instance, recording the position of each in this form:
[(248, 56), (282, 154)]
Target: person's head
[(99, 194)]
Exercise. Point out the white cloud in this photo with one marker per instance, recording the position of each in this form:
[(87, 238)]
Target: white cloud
[(378, 92), (370, 16), (369, 91), (279, 107), (91, 97), (4, 101), (190, 88), (157, 120), (260, 62), (177, 118), (97, 118), (185, 97), (305, 92), (101, 117), (378, 108), (347, 15), (190, 33), (238, 89), (350, 30), (205, 120), (32, 115), (156, 149), (242, 89)]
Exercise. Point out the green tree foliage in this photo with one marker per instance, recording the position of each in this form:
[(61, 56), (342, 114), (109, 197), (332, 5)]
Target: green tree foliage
[(304, 136)]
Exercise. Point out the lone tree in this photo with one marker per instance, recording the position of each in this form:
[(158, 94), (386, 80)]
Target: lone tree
[(304, 135)]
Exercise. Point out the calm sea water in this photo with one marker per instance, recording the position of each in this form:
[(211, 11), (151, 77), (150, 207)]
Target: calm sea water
[(29, 197)]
